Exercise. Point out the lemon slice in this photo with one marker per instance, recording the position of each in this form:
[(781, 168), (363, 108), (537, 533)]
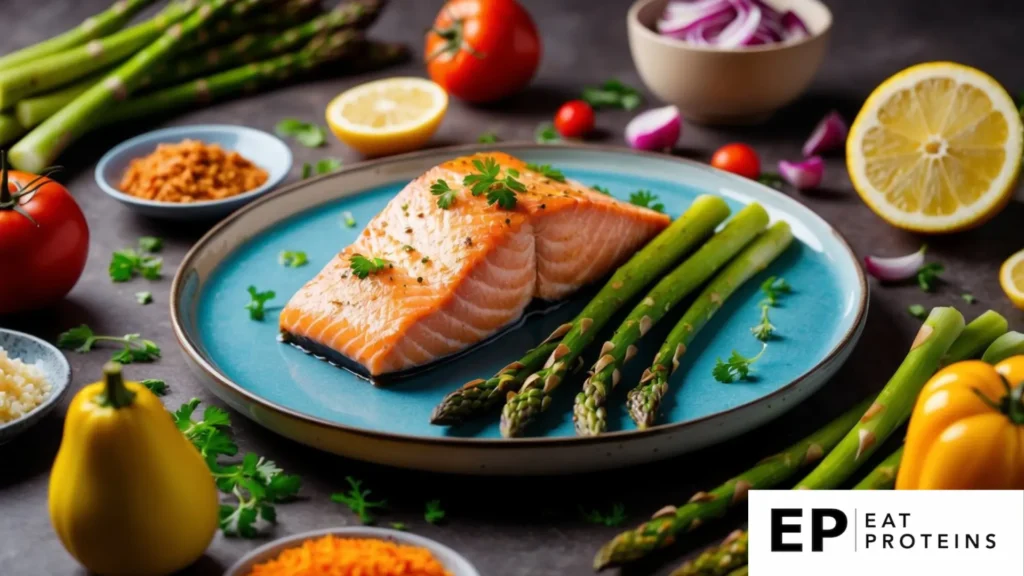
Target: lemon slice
[(1011, 278), (936, 148), (388, 116)]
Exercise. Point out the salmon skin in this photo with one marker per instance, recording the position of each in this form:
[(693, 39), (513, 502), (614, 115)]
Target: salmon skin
[(458, 276)]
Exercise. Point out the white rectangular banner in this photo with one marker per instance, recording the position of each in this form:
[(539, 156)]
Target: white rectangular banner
[(886, 532)]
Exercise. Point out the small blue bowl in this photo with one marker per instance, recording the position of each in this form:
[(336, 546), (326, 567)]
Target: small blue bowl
[(51, 361), (266, 151)]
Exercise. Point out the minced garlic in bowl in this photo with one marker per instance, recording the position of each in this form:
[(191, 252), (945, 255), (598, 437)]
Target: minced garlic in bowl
[(23, 387)]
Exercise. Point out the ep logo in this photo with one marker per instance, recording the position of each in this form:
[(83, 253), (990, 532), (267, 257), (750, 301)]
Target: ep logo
[(824, 523)]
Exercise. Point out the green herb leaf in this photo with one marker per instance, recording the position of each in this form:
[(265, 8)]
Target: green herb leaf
[(765, 329), (736, 368), (773, 289), (487, 138), (81, 339), (292, 258), (136, 349), (616, 517), (917, 311), (125, 264), (445, 195), (646, 199), (327, 165), (771, 179), (434, 513), (503, 197), (158, 387), (547, 171), (398, 526), (347, 218), (602, 190), (612, 94), (310, 135), (546, 133), (257, 302), (307, 170), (498, 190), (355, 499), (969, 298), (363, 266), (928, 276), (150, 244), (144, 298)]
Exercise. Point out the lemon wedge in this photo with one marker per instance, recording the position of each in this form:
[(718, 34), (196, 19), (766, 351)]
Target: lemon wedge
[(388, 116), (1011, 278), (936, 148)]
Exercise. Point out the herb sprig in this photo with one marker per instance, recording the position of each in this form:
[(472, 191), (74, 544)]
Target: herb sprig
[(257, 302), (126, 263), (356, 500), (135, 347), (928, 276), (309, 135), (547, 171), (363, 266), (158, 387), (292, 258), (765, 329), (348, 219), (917, 311), (488, 138), (737, 367), (546, 133), (320, 167), (445, 194), (773, 288), (616, 517), (646, 199), (487, 180), (434, 514), (612, 94)]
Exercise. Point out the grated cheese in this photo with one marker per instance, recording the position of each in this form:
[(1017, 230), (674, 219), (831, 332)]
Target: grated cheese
[(23, 387)]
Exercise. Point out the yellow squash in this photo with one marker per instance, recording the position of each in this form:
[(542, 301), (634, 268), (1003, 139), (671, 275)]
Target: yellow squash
[(967, 430), (129, 494)]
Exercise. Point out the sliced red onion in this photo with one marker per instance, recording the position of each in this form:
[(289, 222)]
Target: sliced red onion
[(655, 129), (729, 23), (895, 269), (794, 26), (742, 29), (719, 13), (829, 134), (803, 175)]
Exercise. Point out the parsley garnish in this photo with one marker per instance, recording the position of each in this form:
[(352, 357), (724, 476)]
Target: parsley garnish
[(150, 244), (614, 518), (487, 138), (158, 387), (445, 194), (425, 259), (546, 133), (347, 218), (355, 499), (771, 179), (487, 180), (257, 302), (363, 266), (969, 298), (324, 166), (917, 311), (764, 330), (125, 264), (136, 348), (773, 288), (310, 135), (292, 258), (736, 368), (144, 298), (434, 513), (612, 94), (928, 276), (646, 199), (255, 482), (602, 190), (547, 171)]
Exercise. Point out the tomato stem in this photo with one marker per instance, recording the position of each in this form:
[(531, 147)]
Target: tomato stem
[(454, 41), (13, 201)]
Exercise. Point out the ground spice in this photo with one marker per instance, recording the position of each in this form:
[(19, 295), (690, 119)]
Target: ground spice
[(191, 171), (332, 556)]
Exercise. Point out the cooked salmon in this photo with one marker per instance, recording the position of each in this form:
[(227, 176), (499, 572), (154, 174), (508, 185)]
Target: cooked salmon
[(452, 277)]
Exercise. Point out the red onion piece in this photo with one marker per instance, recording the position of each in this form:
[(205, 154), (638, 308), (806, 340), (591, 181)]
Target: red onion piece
[(829, 134), (742, 29), (794, 26), (729, 23), (803, 175), (895, 269), (655, 129), (719, 13)]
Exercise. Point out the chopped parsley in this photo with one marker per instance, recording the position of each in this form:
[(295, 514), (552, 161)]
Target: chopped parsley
[(771, 179), (602, 190), (969, 298), (445, 194), (150, 244), (348, 220), (355, 499), (546, 133), (547, 171), (257, 302), (309, 135), (144, 298), (363, 266), (125, 264), (917, 311), (292, 258), (487, 138), (646, 199), (765, 329), (488, 180), (928, 276), (773, 288), (612, 94), (736, 368), (158, 387), (135, 347), (324, 166), (434, 513), (616, 517)]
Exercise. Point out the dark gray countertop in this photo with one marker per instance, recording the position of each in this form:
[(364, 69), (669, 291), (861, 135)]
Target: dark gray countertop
[(511, 527)]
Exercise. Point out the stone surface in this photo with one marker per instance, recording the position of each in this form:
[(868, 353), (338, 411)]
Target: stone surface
[(520, 527)]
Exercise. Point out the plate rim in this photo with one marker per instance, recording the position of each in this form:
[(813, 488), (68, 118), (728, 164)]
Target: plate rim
[(214, 375)]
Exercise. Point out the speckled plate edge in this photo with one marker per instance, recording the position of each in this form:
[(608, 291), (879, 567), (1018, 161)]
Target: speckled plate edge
[(59, 385), (454, 562), (519, 456)]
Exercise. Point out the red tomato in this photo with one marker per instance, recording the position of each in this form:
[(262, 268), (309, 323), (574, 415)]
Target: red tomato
[(42, 254), (738, 159), (574, 119), (482, 50)]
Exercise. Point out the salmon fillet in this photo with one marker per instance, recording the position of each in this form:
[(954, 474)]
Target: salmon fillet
[(455, 277)]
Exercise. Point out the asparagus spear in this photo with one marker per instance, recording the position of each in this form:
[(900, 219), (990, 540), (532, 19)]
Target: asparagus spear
[(230, 27), (893, 405), (976, 337), (253, 77), (883, 477), (1006, 346), (719, 560), (644, 400), (10, 129), (95, 26), (741, 571), (661, 530), (43, 74), (43, 144), (589, 413), (696, 224)]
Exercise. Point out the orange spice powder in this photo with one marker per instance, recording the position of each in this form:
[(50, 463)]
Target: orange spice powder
[(332, 556), (191, 171)]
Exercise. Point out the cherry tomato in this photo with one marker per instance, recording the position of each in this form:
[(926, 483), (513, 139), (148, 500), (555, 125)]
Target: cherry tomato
[(44, 241), (574, 119), (482, 50), (738, 159)]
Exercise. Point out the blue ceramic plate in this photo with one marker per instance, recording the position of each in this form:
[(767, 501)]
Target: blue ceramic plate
[(317, 403), (264, 150), (32, 350)]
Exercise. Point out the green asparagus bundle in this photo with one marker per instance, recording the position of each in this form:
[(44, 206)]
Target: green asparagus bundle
[(40, 147), (661, 530), (719, 560), (42, 74), (33, 111), (1006, 346), (883, 477), (344, 44), (569, 340), (230, 27), (977, 336), (10, 129), (96, 26), (644, 400), (589, 413)]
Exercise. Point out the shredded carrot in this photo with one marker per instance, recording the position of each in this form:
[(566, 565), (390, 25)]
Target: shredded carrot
[(191, 171), (332, 556)]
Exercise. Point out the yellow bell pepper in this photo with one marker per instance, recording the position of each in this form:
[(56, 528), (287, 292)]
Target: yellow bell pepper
[(129, 494), (967, 429)]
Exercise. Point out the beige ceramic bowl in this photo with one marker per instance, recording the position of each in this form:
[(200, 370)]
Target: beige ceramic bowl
[(727, 86)]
